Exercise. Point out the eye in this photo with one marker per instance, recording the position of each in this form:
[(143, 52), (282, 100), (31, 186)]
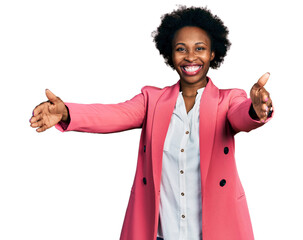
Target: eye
[(200, 48), (180, 49)]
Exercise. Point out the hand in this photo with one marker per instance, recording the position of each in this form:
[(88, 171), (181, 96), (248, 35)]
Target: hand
[(260, 98), (49, 113)]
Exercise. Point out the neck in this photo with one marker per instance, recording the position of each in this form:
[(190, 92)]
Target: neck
[(190, 90)]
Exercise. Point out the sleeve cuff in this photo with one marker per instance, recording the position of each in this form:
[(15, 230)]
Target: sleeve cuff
[(254, 116), (63, 126)]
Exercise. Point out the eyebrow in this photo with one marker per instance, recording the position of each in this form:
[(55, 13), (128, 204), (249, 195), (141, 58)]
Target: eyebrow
[(195, 43)]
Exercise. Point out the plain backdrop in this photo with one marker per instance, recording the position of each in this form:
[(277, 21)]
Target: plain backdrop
[(75, 185)]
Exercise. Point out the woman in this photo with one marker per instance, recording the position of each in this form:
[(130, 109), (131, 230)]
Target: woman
[(186, 184)]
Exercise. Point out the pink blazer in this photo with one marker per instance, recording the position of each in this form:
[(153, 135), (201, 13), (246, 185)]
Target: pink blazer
[(223, 113)]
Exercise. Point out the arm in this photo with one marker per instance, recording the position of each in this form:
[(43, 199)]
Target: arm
[(105, 118)]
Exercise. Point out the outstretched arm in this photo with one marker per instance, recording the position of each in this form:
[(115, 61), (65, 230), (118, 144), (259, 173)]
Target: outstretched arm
[(105, 118), (96, 118)]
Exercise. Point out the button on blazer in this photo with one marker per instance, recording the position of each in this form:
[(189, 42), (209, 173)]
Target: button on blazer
[(223, 113)]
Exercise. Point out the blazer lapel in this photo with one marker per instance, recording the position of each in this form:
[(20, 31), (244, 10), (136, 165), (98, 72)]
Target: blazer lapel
[(207, 126), (163, 111)]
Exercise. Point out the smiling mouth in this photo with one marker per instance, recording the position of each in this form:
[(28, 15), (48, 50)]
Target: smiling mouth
[(191, 69)]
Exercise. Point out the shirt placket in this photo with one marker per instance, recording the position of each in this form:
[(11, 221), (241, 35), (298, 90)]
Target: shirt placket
[(182, 177)]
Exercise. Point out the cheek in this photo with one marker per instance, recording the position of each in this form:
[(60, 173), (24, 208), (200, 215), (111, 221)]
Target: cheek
[(207, 57), (176, 60)]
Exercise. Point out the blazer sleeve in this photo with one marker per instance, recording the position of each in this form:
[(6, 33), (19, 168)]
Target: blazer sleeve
[(238, 112), (105, 118)]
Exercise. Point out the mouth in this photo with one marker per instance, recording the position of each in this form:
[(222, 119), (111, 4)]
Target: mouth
[(191, 70)]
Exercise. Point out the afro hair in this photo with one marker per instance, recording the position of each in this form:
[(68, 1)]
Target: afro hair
[(196, 17)]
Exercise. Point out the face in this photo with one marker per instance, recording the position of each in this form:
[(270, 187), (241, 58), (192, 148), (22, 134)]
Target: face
[(191, 54)]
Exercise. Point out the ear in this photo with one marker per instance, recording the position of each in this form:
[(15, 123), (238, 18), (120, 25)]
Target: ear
[(212, 56)]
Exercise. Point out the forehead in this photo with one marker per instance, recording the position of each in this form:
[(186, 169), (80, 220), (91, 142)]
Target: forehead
[(191, 34)]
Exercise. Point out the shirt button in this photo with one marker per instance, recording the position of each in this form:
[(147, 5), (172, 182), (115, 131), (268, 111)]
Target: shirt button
[(182, 150), (181, 171), (187, 132), (182, 193), (183, 216)]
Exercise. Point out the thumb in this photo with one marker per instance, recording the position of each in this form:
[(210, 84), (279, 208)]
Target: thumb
[(263, 80), (51, 97)]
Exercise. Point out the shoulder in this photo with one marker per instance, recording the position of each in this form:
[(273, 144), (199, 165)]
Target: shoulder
[(226, 94), (152, 90), (232, 93)]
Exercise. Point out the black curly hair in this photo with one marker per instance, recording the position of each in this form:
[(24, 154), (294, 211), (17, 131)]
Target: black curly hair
[(196, 17)]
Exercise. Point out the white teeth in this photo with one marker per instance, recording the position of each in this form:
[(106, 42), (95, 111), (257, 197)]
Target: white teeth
[(191, 68)]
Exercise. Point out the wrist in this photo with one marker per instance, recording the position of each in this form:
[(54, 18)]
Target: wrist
[(65, 115), (252, 113)]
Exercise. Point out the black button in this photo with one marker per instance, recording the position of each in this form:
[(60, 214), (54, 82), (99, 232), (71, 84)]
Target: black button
[(144, 148), (222, 182), (226, 150), (144, 180)]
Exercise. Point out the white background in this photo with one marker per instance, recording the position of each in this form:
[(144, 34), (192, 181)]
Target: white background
[(73, 185)]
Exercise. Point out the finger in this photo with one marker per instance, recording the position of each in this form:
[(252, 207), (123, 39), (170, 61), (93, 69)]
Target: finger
[(271, 109), (265, 97), (263, 117), (263, 80), (266, 111), (51, 97), (36, 118), (264, 108), (263, 111), (269, 103), (39, 123), (40, 108), (42, 129)]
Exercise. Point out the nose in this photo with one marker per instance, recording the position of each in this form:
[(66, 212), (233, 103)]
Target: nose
[(190, 56)]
